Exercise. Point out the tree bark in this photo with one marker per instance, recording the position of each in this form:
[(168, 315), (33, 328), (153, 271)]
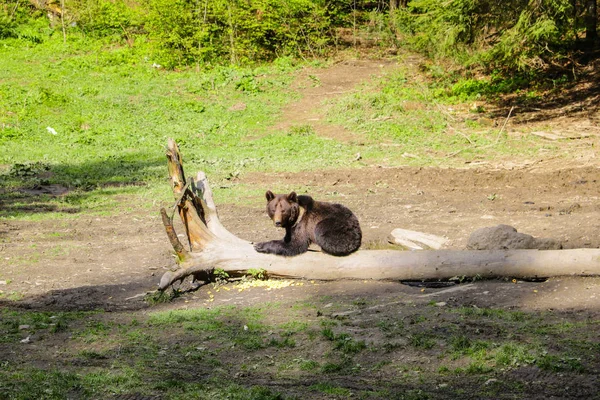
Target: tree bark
[(591, 21), (395, 4), (213, 246)]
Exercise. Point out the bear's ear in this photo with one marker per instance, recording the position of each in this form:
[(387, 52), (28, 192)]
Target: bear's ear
[(292, 197), (270, 196)]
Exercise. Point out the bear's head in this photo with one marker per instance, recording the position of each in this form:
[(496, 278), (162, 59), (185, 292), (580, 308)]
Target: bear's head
[(283, 209)]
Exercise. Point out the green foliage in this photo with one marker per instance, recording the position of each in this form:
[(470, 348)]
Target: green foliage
[(220, 274), (422, 340), (301, 130), (10, 321), (526, 43), (513, 35), (34, 383), (328, 388), (477, 368), (160, 296), (20, 21), (514, 355), (308, 365), (182, 32), (29, 174), (106, 18), (237, 31), (439, 28), (516, 316), (241, 326), (400, 111), (391, 328), (258, 273), (194, 352)]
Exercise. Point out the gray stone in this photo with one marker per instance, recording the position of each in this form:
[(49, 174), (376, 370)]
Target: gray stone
[(505, 237)]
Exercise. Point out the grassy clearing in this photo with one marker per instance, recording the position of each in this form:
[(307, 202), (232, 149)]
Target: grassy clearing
[(196, 352), (95, 120), (407, 119), (90, 122)]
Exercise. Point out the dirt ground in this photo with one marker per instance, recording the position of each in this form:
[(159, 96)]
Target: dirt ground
[(103, 261), (110, 262)]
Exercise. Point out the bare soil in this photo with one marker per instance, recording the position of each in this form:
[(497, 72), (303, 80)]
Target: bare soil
[(99, 262), (108, 263)]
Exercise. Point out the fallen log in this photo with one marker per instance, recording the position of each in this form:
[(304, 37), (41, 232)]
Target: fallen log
[(212, 246)]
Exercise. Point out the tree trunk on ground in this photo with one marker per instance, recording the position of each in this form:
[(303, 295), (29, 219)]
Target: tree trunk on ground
[(212, 246)]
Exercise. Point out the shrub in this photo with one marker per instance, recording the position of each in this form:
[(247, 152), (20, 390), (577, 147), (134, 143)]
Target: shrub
[(510, 35), (237, 31), (20, 21), (102, 18)]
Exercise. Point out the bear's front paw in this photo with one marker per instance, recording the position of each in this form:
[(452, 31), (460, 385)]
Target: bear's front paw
[(262, 247)]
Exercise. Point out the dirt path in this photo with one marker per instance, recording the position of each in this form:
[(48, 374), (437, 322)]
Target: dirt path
[(318, 85)]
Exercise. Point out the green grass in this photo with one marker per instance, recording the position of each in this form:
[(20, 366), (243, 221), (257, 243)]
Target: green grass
[(344, 342), (95, 120), (328, 388), (13, 322), (196, 352), (422, 340), (53, 384), (408, 120), (514, 354), (309, 365), (391, 328), (557, 363), (94, 330), (516, 316)]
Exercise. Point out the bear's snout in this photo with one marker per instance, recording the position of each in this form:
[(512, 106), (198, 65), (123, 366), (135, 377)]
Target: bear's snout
[(278, 224)]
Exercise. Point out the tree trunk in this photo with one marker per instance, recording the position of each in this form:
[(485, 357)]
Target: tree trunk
[(212, 246), (591, 21), (395, 4)]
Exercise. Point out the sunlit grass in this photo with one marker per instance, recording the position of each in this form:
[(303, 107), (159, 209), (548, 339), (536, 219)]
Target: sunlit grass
[(94, 120), (405, 119)]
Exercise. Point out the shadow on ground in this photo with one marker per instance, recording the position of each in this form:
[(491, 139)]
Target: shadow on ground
[(33, 188), (580, 96), (128, 296), (379, 340)]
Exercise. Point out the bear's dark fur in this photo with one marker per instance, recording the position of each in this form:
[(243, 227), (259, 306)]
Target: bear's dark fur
[(332, 226)]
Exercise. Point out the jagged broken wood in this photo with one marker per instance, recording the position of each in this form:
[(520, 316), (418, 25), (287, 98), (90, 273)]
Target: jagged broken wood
[(212, 246)]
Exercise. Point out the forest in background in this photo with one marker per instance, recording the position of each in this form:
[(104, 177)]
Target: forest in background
[(529, 36)]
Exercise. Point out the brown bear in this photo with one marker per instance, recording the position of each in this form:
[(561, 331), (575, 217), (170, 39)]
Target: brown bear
[(332, 226)]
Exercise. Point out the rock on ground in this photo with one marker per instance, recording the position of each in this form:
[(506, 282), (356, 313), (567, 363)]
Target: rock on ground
[(504, 237)]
